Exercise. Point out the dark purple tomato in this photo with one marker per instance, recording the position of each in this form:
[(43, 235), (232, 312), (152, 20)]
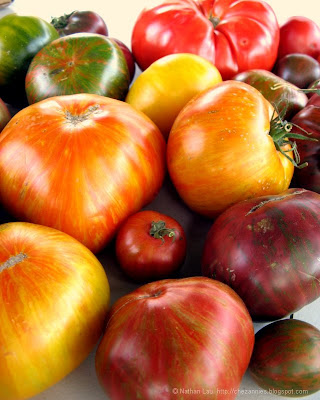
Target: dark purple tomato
[(286, 358), (308, 120), (80, 21), (268, 250), (299, 69), (78, 63)]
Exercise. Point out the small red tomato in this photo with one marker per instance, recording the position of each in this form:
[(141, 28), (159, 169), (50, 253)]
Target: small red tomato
[(150, 246)]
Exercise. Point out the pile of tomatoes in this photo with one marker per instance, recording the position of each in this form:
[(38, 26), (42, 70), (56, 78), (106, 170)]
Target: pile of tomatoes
[(227, 131)]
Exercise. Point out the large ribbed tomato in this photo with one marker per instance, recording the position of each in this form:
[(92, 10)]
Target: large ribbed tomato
[(186, 338), (220, 151), (80, 163), (235, 35), (54, 298)]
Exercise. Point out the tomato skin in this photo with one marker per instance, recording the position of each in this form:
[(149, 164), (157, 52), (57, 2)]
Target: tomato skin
[(285, 98), (54, 301), (128, 56), (21, 37), (246, 36), (81, 164), (286, 358), (144, 257), (308, 119), (175, 333), (80, 21), (299, 35), (5, 114), (299, 69), (268, 250), (78, 63), (219, 151)]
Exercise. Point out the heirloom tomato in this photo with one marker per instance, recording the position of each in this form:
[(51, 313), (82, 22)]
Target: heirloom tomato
[(299, 35), (299, 69), (78, 63), (268, 250), (186, 338), (128, 56), (286, 98), (54, 301), (80, 21), (286, 358), (308, 119), (168, 84), (224, 147), (150, 245), (5, 115), (235, 35), (21, 37), (80, 163)]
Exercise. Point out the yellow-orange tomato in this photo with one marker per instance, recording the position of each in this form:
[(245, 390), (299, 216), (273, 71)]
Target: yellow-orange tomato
[(54, 298), (168, 84), (220, 151)]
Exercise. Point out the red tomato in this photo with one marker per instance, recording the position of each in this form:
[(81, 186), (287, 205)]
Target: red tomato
[(186, 338), (54, 301), (234, 35), (220, 151), (81, 164), (299, 35), (150, 245)]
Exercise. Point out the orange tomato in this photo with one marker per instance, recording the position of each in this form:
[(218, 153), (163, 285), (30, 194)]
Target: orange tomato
[(220, 152), (168, 84)]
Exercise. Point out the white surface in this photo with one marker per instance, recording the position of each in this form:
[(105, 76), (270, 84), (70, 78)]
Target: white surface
[(120, 16)]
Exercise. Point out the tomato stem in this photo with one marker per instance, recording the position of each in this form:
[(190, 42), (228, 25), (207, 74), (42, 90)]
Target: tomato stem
[(280, 131), (158, 230), (61, 22), (214, 20)]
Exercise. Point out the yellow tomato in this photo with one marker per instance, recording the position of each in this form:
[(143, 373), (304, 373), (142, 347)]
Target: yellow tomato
[(168, 84)]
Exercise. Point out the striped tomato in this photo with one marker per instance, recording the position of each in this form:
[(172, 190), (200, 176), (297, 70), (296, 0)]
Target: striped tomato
[(80, 163), (78, 63), (286, 358), (268, 250), (186, 338)]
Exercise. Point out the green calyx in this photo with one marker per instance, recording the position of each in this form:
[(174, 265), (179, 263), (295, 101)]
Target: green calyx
[(158, 230), (61, 22), (280, 131)]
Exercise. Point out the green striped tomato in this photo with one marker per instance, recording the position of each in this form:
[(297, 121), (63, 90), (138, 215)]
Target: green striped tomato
[(286, 358), (21, 37), (78, 63)]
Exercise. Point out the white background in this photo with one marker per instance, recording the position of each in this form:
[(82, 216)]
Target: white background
[(120, 16)]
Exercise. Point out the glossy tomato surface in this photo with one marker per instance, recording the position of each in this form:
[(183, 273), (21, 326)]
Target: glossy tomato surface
[(220, 152), (234, 35), (54, 301), (5, 114), (164, 88), (299, 69), (308, 120), (173, 334), (286, 98), (78, 63), (21, 37), (131, 63), (268, 250), (80, 21), (150, 245), (286, 358), (299, 34), (80, 163)]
